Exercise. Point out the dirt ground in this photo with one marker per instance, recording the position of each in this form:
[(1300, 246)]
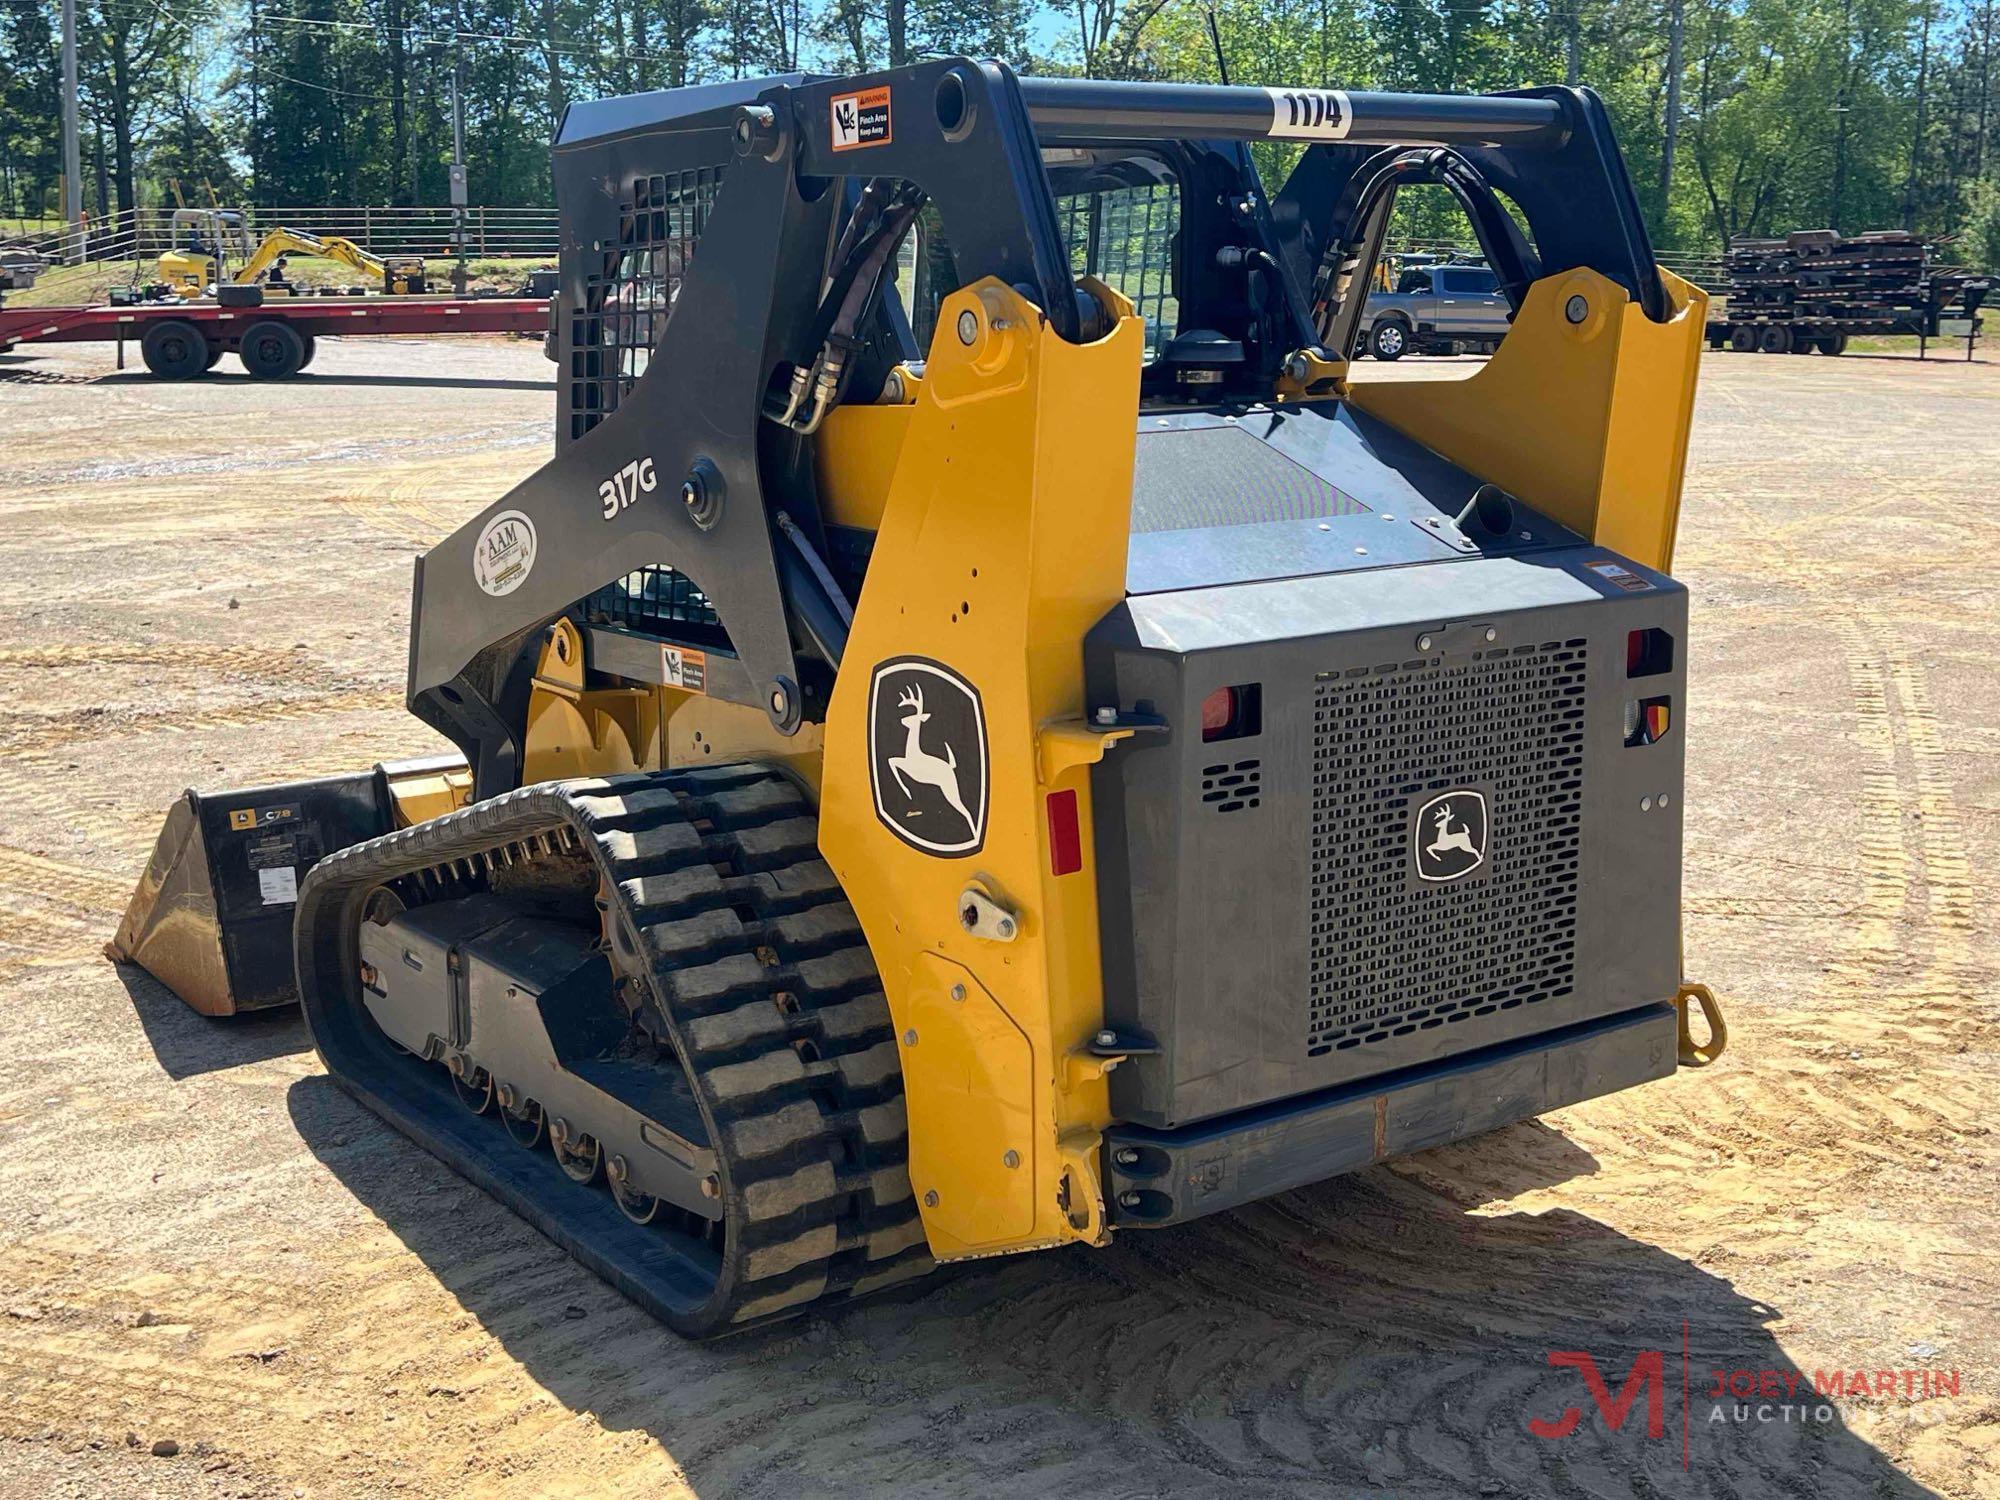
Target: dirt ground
[(203, 1243)]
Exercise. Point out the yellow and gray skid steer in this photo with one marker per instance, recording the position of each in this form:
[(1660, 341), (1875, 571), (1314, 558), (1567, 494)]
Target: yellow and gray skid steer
[(981, 736)]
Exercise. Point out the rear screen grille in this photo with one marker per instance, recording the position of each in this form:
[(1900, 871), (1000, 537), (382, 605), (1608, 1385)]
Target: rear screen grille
[(1391, 954), (630, 289)]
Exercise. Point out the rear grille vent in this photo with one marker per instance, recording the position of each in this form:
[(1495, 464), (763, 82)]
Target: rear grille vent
[(1227, 787), (1392, 955)]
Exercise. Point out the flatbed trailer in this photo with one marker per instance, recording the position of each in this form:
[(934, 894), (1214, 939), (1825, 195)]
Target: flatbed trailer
[(1768, 333), (274, 341)]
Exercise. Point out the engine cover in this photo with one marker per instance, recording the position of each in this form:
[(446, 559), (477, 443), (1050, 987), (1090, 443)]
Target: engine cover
[(1435, 808)]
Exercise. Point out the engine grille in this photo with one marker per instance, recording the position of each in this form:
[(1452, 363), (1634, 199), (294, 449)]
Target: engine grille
[(1389, 955)]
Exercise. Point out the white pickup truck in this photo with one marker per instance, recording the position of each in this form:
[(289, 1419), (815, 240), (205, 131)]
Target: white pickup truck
[(1437, 309)]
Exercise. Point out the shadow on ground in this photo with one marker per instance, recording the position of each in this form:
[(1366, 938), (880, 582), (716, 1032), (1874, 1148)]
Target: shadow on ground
[(1365, 1336), (187, 1044), (315, 377)]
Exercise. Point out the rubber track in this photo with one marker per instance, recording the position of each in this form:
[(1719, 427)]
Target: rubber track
[(758, 974)]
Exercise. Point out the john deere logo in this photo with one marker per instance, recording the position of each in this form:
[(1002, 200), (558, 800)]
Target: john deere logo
[(1448, 836), (927, 755)]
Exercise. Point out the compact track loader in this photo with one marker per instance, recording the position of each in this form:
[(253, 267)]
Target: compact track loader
[(981, 736)]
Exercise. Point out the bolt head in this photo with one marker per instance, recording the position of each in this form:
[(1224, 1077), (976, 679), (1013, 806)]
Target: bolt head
[(779, 701), (968, 327), (616, 1168), (1130, 1200), (1492, 635), (1126, 1157), (1107, 1038), (1645, 804), (930, 1199), (1005, 927), (958, 992), (690, 493), (1011, 1160), (711, 1186), (1423, 643), (1107, 715), (1576, 309), (910, 1037)]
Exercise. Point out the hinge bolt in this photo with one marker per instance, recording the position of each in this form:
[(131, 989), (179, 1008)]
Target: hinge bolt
[(968, 327), (1576, 309)]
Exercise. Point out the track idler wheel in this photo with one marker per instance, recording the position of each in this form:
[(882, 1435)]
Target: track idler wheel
[(640, 1208), (577, 1154), (473, 1085), (523, 1118)]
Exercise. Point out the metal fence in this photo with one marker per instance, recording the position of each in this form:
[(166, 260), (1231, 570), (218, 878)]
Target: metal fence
[(142, 233)]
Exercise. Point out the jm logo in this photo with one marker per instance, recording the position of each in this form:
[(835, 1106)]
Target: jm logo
[(1448, 836), (927, 756)]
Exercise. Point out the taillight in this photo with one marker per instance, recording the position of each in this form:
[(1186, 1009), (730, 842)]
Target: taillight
[(1231, 713), (1218, 712)]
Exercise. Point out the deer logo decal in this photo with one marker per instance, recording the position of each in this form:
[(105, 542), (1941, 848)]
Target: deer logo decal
[(1448, 836), (927, 756)]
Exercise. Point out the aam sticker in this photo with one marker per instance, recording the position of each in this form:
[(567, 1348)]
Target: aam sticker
[(927, 756), (1448, 836), (860, 119), (504, 555)]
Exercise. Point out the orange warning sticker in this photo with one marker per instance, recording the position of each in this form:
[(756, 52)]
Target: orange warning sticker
[(684, 669), (860, 119)]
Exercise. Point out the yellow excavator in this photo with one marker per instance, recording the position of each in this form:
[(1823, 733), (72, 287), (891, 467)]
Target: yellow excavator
[(205, 238)]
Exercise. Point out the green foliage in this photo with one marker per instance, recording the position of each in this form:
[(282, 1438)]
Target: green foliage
[(1857, 114)]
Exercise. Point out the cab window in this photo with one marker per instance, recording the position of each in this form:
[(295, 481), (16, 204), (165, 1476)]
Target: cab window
[(1414, 284), (1470, 281)]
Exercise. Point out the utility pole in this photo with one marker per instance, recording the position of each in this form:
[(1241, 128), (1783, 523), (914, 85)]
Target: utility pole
[(72, 193), (1670, 136), (458, 276)]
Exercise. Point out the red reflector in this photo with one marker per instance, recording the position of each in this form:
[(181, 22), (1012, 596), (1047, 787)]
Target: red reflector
[(1065, 837), (1218, 712)]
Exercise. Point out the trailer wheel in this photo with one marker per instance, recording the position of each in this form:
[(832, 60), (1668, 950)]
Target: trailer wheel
[(1832, 343), (1776, 339), (311, 348), (1743, 338), (1804, 340), (174, 349), (271, 350)]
